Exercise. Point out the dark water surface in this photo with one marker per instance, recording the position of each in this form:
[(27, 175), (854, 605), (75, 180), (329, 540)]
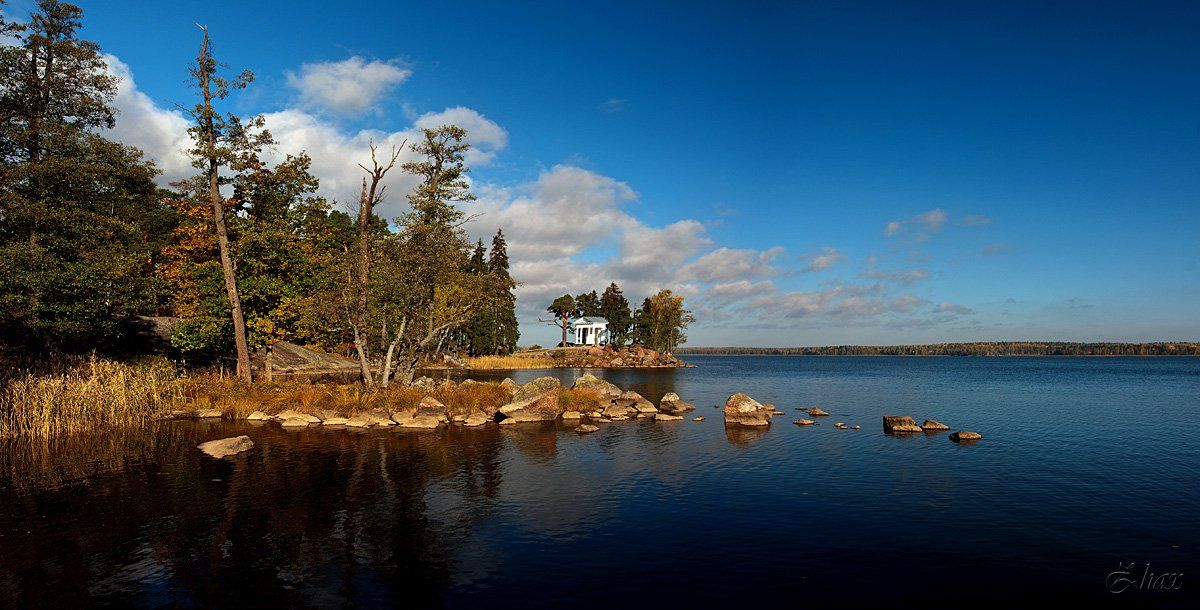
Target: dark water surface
[(1086, 464)]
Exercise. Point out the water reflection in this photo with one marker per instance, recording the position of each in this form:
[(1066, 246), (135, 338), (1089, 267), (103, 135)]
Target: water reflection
[(745, 436), (309, 517)]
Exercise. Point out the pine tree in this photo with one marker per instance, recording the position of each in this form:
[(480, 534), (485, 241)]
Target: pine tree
[(79, 213), (506, 330), (588, 304), (615, 309)]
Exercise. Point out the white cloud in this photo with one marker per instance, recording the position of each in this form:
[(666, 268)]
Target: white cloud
[(486, 137), (824, 259), (728, 264), (347, 88), (160, 133)]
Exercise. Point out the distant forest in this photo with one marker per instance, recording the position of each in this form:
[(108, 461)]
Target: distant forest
[(996, 348)]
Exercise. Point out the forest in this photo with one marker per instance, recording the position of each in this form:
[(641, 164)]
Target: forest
[(245, 252)]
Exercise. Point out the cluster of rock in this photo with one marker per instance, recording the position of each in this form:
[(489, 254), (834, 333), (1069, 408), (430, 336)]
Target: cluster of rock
[(612, 357), (903, 424), (536, 401)]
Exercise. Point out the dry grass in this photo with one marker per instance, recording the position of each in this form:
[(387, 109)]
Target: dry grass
[(584, 401), (239, 400), (540, 360), (86, 395)]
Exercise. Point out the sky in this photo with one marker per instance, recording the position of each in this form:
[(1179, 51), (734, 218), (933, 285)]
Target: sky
[(803, 173)]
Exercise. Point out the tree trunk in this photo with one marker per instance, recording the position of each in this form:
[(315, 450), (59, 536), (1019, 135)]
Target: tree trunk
[(267, 363), (367, 199), (218, 207), (564, 331), (364, 367)]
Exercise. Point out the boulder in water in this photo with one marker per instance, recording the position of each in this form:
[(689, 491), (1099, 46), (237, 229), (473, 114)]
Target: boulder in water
[(931, 425), (899, 424), (606, 390), (226, 446), (586, 429), (965, 436), (672, 403), (742, 410), (666, 417), (258, 416), (817, 412)]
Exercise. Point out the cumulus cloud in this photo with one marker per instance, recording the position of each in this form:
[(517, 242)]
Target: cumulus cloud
[(160, 133), (728, 263), (346, 88), (823, 259)]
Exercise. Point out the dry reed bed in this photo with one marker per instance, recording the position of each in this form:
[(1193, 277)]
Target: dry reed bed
[(536, 361), (86, 394)]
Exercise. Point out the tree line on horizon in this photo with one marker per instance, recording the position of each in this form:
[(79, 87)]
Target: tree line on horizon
[(979, 348), (660, 323), (245, 251)]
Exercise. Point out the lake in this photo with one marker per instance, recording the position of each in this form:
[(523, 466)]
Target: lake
[(1087, 465)]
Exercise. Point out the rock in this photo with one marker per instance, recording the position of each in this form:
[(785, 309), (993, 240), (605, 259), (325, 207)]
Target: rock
[(507, 422), (671, 403), (510, 385), (701, 418), (432, 407), (291, 414), (424, 383), (840, 426), (367, 419), (965, 436), (571, 415), (294, 422), (804, 422), (417, 420), (899, 424), (336, 421), (206, 413), (606, 390), (536, 389), (931, 425), (745, 411), (227, 446), (475, 419), (666, 417), (586, 429), (326, 414), (817, 412), (856, 427), (632, 400), (258, 416), (538, 408)]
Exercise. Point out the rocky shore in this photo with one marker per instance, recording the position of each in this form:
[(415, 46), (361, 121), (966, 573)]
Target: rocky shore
[(588, 403)]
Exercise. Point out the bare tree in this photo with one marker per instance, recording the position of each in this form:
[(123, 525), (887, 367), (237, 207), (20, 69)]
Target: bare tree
[(371, 194)]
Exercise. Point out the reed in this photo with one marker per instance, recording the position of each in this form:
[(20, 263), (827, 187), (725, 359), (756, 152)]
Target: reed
[(86, 394), (540, 360)]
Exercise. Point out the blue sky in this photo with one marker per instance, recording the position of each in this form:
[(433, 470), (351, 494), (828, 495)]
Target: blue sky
[(805, 173)]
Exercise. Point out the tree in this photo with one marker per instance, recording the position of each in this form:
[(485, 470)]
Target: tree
[(564, 309), (588, 304), (223, 142), (661, 322), (78, 212), (369, 196), (425, 291), (615, 309), (506, 331)]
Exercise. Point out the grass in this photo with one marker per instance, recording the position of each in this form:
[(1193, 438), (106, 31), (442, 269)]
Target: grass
[(539, 360), (86, 394), (583, 401), (238, 400)]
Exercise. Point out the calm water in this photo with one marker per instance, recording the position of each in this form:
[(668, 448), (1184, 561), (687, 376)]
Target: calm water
[(1085, 464)]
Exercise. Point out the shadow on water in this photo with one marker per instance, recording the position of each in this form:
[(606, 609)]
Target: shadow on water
[(316, 517)]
